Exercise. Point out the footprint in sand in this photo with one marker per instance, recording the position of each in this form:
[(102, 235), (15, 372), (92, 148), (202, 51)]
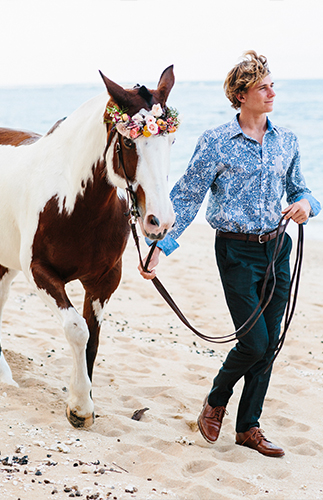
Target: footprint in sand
[(278, 473), (232, 453), (197, 467), (287, 422), (302, 446), (112, 426)]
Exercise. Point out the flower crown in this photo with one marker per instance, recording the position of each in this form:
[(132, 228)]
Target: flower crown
[(157, 121)]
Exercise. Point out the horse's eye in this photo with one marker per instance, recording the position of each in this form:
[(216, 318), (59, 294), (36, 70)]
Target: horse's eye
[(128, 142)]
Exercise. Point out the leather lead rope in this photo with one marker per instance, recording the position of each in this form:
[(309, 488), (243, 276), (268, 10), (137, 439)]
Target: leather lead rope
[(293, 289), (253, 318)]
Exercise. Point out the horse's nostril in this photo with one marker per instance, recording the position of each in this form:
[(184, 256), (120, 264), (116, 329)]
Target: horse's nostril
[(154, 221)]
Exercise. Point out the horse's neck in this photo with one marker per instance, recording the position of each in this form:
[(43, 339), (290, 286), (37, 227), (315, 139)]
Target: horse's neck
[(83, 136), (76, 147)]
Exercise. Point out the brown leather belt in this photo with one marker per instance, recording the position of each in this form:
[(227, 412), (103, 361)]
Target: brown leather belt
[(259, 238)]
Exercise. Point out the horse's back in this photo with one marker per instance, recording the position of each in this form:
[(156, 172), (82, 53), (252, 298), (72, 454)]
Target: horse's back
[(12, 137), (10, 200)]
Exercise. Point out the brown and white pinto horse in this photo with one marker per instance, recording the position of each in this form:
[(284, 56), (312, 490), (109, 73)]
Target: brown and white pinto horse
[(62, 217)]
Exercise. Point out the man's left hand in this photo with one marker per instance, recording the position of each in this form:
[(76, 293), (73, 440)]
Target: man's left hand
[(299, 211)]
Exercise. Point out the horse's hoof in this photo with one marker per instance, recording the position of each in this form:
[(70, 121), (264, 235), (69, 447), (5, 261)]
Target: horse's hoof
[(78, 421)]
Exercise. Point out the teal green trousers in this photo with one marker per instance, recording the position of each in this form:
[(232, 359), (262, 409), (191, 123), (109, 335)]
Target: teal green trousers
[(242, 267)]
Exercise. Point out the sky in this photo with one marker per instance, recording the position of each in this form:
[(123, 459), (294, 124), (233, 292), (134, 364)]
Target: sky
[(49, 42)]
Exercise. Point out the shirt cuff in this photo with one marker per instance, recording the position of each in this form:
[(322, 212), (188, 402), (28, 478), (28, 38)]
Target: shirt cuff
[(167, 245), (315, 204)]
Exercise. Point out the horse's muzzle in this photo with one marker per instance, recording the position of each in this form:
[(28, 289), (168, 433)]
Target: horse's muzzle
[(156, 237)]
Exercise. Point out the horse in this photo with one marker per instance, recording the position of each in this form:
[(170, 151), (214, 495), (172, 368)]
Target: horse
[(64, 213)]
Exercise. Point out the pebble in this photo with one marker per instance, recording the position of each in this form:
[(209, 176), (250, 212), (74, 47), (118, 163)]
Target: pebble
[(184, 440), (88, 469), (39, 443), (20, 449), (60, 447), (63, 448), (131, 489)]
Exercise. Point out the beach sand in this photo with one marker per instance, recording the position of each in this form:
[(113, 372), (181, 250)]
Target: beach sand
[(147, 359)]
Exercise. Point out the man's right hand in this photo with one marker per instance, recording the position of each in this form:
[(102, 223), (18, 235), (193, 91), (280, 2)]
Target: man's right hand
[(151, 273)]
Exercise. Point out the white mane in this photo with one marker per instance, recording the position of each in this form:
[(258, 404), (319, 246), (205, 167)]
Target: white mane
[(60, 160), (55, 165)]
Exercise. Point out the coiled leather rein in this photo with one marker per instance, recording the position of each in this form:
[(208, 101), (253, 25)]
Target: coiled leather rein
[(270, 271)]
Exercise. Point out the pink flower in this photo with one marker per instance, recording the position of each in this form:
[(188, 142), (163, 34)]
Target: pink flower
[(150, 119), (153, 128), (134, 132)]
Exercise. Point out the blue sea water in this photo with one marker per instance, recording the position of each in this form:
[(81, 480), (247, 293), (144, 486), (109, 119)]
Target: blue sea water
[(298, 106)]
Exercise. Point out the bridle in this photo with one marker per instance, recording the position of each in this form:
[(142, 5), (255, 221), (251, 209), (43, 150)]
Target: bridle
[(270, 271), (133, 211)]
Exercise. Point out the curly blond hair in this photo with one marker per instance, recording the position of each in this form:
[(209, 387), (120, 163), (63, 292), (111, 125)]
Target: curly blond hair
[(251, 70)]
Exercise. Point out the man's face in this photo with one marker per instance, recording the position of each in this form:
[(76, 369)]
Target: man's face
[(259, 99)]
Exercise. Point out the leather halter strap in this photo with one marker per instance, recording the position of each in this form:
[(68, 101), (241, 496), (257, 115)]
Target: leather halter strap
[(132, 198)]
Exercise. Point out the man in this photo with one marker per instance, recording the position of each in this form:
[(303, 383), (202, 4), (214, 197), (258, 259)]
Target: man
[(248, 165)]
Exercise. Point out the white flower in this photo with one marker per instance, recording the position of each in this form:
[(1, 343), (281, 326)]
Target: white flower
[(137, 118), (144, 112), (157, 110), (123, 130)]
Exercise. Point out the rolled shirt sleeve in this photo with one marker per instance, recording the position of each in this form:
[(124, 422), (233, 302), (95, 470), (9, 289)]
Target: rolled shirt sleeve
[(296, 189), (246, 181), (190, 190)]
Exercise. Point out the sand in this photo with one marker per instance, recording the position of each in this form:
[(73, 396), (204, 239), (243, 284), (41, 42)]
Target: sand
[(147, 359)]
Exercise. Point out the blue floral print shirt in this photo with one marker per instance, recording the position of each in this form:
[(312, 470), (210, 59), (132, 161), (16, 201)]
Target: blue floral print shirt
[(247, 181)]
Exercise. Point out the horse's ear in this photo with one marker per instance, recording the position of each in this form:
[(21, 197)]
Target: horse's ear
[(118, 93), (165, 84)]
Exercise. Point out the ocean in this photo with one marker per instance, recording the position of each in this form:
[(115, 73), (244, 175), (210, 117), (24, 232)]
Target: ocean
[(298, 106)]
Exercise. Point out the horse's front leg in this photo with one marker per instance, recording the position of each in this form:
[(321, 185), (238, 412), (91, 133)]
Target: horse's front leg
[(50, 287), (96, 296), (93, 313)]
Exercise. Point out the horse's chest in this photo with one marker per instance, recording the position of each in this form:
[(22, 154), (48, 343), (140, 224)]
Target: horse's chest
[(84, 242)]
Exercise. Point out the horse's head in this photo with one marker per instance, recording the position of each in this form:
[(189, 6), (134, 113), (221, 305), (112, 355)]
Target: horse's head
[(140, 128)]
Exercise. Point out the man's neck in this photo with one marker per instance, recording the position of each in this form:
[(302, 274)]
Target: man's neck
[(254, 126)]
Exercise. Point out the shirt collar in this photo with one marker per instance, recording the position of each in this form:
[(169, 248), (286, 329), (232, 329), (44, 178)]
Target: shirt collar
[(235, 128)]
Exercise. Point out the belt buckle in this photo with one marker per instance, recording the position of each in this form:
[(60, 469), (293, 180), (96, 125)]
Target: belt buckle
[(259, 239)]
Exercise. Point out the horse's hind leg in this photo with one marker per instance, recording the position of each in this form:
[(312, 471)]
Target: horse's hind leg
[(6, 277), (80, 408)]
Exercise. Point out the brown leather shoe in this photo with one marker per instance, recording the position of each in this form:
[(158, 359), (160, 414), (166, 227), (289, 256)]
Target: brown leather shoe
[(255, 439), (210, 421)]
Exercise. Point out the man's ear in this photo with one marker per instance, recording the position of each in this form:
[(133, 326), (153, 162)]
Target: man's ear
[(241, 97)]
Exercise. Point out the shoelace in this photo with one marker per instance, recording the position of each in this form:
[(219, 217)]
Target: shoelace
[(257, 435), (218, 412)]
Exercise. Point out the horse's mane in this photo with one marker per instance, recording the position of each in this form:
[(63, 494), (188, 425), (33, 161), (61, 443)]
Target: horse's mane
[(54, 127)]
